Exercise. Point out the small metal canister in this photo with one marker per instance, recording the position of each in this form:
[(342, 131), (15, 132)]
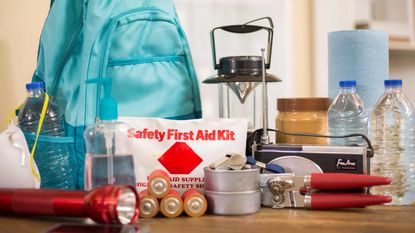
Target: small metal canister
[(232, 192)]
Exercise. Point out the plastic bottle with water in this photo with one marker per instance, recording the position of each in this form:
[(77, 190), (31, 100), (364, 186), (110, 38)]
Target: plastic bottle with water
[(347, 115), (29, 116), (53, 159), (393, 138)]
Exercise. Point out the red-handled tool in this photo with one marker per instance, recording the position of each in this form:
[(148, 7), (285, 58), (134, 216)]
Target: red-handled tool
[(287, 190), (336, 181)]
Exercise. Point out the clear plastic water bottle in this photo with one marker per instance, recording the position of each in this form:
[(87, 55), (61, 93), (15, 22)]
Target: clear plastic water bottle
[(347, 115), (393, 137), (29, 116), (54, 159)]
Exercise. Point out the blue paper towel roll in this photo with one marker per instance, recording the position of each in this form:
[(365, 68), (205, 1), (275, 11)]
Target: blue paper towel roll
[(362, 55)]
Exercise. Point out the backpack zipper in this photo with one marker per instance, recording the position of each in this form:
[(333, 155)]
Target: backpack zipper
[(142, 60), (68, 51), (111, 29)]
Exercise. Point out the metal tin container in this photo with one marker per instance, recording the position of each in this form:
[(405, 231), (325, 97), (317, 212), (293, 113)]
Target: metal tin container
[(233, 203), (232, 192), (231, 180)]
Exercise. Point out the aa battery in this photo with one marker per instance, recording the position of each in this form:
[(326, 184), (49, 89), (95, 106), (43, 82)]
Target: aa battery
[(194, 203), (158, 184), (149, 205), (171, 205)]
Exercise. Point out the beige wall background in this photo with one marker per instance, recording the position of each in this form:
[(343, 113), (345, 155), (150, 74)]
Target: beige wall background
[(21, 22), (301, 32)]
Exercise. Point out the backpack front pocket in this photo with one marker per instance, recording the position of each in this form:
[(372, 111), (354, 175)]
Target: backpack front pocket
[(152, 86), (145, 54)]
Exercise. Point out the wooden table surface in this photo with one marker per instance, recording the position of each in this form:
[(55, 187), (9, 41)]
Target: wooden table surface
[(375, 219)]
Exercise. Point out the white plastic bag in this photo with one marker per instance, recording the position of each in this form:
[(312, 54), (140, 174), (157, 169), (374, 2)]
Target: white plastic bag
[(183, 147), (17, 169)]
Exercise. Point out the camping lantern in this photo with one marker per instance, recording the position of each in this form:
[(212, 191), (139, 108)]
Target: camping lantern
[(241, 75)]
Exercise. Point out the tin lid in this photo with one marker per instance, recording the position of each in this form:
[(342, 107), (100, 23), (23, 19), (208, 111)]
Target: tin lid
[(303, 104)]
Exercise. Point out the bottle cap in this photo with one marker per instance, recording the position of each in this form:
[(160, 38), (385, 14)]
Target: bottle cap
[(393, 83), (35, 85), (108, 107), (347, 83)]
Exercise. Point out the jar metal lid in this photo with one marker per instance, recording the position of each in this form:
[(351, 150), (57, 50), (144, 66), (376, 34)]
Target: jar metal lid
[(303, 104)]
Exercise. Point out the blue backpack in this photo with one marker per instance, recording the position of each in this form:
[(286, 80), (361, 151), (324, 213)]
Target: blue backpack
[(138, 43)]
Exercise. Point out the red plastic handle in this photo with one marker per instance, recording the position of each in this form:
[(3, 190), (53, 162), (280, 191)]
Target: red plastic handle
[(345, 200), (345, 181)]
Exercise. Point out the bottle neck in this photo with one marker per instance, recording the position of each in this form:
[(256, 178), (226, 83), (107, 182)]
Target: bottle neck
[(395, 89), (36, 92), (346, 90)]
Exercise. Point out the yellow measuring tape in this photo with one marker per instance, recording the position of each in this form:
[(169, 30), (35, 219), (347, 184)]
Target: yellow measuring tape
[(39, 127)]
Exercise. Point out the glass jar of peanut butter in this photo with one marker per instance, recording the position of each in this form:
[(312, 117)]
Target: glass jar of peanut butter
[(302, 115)]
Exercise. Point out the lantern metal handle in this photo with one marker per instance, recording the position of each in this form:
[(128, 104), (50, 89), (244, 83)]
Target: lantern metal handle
[(243, 29)]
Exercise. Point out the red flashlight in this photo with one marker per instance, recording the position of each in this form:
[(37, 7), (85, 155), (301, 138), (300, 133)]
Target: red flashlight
[(111, 204)]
